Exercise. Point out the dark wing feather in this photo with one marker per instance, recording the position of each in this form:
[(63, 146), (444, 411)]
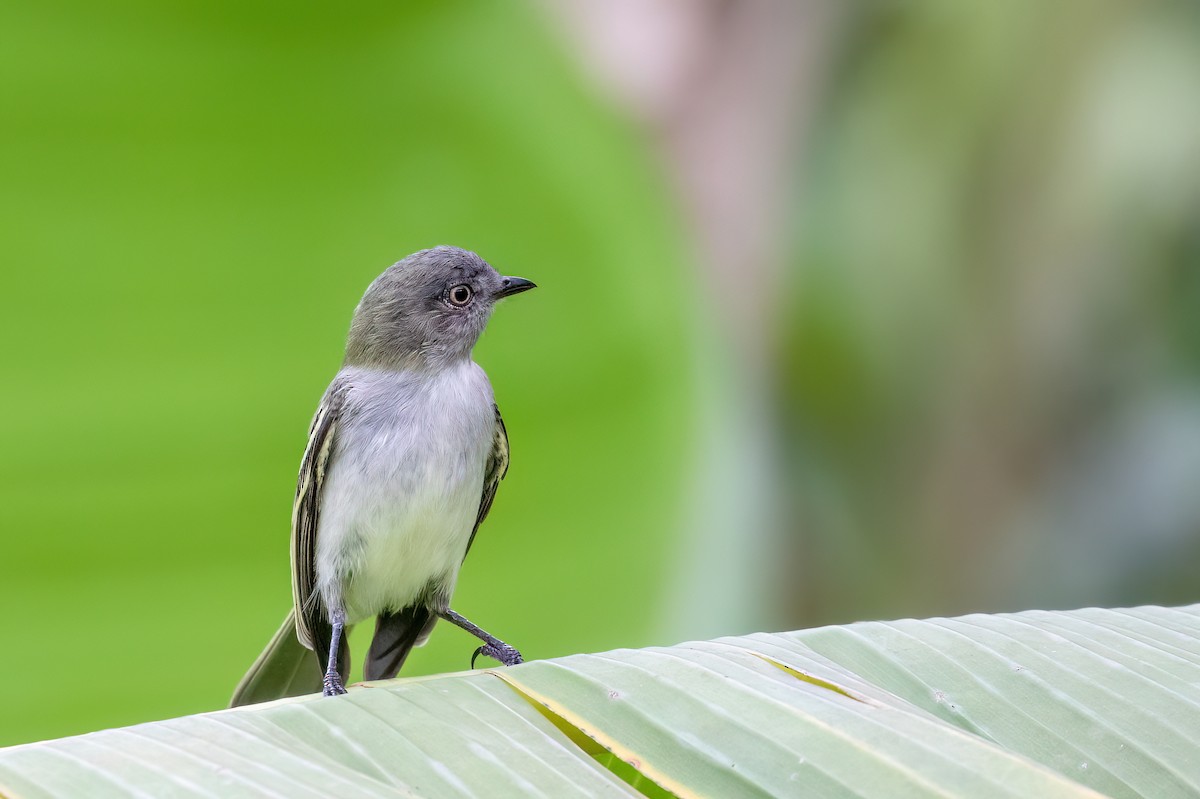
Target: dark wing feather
[(311, 620), (494, 471)]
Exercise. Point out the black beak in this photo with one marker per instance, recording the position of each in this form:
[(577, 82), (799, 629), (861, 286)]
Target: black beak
[(514, 285)]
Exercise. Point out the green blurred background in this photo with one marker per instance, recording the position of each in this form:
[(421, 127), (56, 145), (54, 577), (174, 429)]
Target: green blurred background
[(845, 311)]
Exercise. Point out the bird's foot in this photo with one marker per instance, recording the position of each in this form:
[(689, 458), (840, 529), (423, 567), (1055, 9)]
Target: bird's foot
[(493, 647), (332, 684), (508, 655)]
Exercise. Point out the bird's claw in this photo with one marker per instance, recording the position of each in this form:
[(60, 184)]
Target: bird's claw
[(332, 684), (508, 655)]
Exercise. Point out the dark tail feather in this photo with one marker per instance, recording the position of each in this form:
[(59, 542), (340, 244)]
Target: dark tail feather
[(285, 668), (395, 636)]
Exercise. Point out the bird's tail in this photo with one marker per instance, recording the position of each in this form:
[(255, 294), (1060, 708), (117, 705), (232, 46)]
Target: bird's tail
[(395, 636), (285, 668)]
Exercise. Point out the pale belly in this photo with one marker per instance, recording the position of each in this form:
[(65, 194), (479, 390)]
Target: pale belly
[(400, 550), (400, 499)]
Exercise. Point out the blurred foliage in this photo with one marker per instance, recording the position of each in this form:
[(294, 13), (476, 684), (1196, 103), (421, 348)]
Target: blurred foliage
[(991, 389), (195, 197)]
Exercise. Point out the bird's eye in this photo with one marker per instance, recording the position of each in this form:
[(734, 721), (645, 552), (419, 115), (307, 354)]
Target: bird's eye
[(460, 295)]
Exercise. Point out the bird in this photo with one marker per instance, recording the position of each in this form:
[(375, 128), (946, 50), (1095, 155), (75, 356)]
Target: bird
[(404, 456)]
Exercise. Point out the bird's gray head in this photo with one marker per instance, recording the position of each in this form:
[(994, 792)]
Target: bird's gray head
[(427, 310)]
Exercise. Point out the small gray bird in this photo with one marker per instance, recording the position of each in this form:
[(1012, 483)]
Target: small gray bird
[(403, 459)]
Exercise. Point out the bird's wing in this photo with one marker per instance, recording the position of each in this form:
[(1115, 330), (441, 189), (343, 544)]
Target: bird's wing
[(310, 613), (496, 468)]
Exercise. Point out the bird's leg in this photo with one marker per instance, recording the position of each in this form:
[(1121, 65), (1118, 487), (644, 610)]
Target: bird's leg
[(493, 647), (332, 683)]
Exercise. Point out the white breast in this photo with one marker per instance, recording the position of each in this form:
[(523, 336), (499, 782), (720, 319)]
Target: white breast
[(403, 487)]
